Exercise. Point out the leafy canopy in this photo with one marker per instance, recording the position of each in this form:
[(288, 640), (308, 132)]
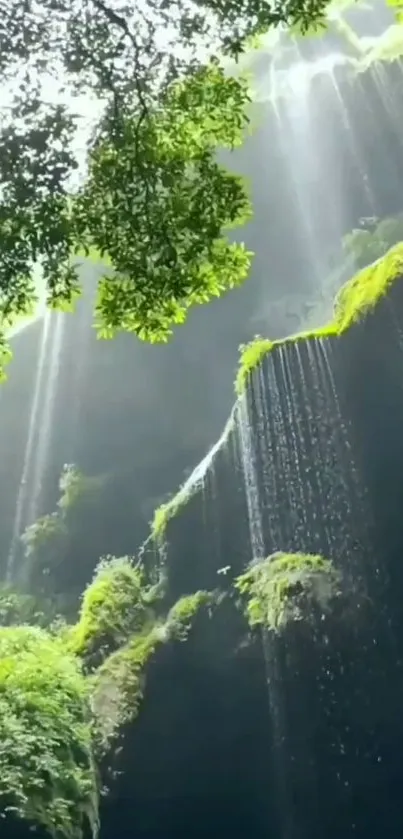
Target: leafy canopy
[(112, 111)]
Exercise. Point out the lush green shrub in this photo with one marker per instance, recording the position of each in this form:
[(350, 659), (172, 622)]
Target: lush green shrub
[(47, 772)]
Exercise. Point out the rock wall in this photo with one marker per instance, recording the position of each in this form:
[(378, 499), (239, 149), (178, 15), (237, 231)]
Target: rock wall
[(311, 460)]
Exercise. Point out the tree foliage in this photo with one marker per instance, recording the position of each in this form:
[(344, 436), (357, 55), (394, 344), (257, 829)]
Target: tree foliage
[(112, 111), (47, 772)]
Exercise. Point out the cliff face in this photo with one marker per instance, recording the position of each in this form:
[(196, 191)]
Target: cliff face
[(310, 461)]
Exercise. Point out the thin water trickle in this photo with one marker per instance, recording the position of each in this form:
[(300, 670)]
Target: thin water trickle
[(250, 476), (314, 509), (351, 140), (274, 684), (297, 453), (267, 454)]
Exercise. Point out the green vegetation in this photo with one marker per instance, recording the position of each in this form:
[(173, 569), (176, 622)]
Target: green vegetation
[(373, 239), (149, 200), (166, 512), (387, 47), (286, 588), (75, 487), (47, 770), (19, 608), (48, 529), (112, 609), (46, 540), (354, 301), (163, 515), (117, 685), (66, 691), (182, 614)]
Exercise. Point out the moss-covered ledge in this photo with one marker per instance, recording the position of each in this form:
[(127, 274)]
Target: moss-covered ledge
[(287, 588), (355, 300), (67, 690)]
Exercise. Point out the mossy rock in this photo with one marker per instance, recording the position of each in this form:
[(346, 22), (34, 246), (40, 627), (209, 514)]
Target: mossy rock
[(287, 588), (354, 302), (47, 772), (117, 685), (113, 608)]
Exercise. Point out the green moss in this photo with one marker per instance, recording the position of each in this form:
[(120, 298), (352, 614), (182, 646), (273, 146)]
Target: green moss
[(386, 48), (47, 772), (182, 614), (165, 513), (75, 487), (367, 245), (355, 300), (286, 588), (112, 608), (118, 684)]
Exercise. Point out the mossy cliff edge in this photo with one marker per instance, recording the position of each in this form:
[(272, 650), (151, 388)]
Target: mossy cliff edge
[(357, 299), (67, 690)]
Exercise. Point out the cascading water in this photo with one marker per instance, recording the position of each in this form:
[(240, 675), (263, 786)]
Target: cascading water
[(248, 459)]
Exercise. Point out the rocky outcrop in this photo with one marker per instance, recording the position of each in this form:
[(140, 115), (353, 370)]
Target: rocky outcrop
[(311, 462), (211, 711)]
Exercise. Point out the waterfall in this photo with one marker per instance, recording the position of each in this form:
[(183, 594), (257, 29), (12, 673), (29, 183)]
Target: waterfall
[(250, 479)]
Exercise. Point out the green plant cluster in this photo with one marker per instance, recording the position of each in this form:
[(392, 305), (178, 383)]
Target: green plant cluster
[(66, 691), (171, 167), (113, 608), (117, 685), (47, 770), (45, 540), (151, 199), (164, 513), (370, 242), (19, 608), (75, 487), (182, 614), (48, 529), (355, 301), (285, 588)]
